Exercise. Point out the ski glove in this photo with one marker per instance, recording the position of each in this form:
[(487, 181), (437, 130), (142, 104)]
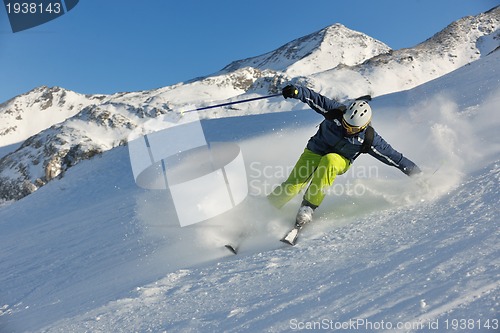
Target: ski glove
[(412, 171), (290, 91)]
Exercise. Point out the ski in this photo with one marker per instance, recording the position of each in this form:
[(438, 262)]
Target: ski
[(291, 237), (234, 245), (233, 249)]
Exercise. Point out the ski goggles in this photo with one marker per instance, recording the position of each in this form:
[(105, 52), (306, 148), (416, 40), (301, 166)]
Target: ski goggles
[(351, 130)]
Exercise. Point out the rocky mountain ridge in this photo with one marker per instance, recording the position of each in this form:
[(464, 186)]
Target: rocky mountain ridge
[(459, 44)]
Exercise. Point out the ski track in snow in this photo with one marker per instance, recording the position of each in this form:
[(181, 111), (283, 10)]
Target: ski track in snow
[(92, 252)]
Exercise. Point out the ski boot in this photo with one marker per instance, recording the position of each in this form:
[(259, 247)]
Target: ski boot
[(304, 216)]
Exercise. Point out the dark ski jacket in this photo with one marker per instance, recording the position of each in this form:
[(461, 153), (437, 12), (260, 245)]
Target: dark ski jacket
[(331, 137)]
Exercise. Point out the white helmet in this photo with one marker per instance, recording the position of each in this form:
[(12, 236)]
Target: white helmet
[(357, 117)]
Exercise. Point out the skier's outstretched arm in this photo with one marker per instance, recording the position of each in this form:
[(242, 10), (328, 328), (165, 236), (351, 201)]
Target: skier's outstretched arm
[(383, 151), (319, 103)]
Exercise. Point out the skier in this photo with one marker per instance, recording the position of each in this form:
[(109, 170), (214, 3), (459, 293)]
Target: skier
[(345, 133)]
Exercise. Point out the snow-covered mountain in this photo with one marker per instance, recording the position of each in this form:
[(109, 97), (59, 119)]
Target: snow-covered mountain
[(462, 42), (38, 109), (59, 127), (320, 51), (93, 252)]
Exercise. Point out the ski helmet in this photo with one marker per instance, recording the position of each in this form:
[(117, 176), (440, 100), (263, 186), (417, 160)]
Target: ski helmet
[(357, 117)]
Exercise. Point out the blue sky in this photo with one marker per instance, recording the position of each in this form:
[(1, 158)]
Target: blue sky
[(108, 46)]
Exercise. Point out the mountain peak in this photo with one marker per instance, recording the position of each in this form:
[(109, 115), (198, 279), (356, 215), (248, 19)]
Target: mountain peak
[(316, 52), (37, 109)]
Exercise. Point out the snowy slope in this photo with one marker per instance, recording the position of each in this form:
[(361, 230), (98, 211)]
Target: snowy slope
[(91, 252), (414, 267)]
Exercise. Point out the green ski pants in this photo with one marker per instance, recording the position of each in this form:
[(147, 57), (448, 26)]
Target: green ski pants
[(318, 170)]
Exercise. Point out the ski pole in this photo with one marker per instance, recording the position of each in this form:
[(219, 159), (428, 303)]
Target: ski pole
[(231, 103)]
